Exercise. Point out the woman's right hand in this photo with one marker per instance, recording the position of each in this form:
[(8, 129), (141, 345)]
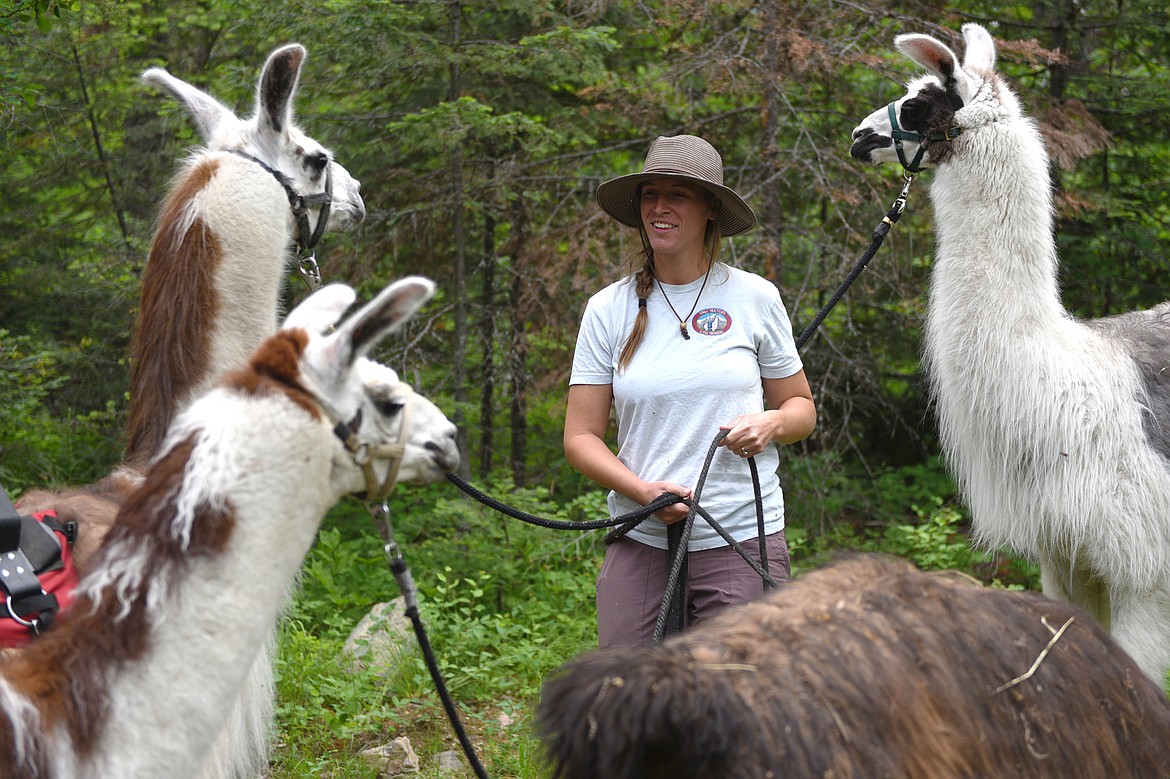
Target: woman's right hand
[(653, 489)]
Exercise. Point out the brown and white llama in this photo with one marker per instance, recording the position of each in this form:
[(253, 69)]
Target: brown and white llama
[(223, 248), (137, 679), (218, 261), (1057, 429), (865, 668)]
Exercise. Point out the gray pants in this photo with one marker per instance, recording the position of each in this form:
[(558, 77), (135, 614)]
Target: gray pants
[(632, 582)]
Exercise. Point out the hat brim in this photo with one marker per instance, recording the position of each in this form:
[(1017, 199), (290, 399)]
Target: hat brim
[(618, 197)]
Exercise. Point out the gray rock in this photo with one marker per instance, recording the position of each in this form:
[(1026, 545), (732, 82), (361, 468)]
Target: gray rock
[(382, 639), (452, 764), (394, 759)]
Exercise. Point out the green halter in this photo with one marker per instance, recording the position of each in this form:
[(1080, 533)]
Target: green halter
[(899, 135)]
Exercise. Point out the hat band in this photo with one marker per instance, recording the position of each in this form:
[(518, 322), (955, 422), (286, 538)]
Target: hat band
[(710, 177)]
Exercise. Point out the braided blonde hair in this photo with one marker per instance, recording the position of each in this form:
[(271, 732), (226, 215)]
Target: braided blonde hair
[(643, 260)]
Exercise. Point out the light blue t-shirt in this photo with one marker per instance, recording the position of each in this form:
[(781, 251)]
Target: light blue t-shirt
[(675, 393)]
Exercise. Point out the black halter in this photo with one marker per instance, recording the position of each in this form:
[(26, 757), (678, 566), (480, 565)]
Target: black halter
[(307, 237), (899, 135)]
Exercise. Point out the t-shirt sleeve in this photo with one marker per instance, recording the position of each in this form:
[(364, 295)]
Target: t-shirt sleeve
[(776, 347), (595, 354)]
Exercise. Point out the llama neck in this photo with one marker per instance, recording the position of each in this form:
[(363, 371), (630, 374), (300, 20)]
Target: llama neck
[(209, 291), (996, 256), (144, 673)]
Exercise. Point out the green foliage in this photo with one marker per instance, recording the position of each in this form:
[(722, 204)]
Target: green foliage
[(935, 543), (323, 707), (20, 91), (37, 446)]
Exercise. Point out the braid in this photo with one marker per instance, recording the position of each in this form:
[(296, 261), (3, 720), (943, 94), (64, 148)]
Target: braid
[(643, 286)]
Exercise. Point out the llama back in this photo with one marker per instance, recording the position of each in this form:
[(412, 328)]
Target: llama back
[(222, 238), (865, 668)]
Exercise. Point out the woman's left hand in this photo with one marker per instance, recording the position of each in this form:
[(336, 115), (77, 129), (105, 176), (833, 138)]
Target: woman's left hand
[(748, 435), (790, 417)]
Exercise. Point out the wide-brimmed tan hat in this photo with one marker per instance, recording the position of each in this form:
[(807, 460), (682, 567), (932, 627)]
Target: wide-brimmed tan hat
[(686, 157)]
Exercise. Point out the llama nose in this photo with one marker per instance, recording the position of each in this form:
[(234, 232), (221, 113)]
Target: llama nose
[(866, 141), (446, 453)]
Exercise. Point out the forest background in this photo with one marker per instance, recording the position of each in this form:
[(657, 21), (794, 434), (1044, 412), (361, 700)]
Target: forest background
[(479, 131)]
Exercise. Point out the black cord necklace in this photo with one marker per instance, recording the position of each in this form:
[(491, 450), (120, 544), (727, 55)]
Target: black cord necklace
[(682, 323)]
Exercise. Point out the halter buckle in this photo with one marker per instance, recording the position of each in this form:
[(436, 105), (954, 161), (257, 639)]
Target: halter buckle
[(364, 454), (310, 272)]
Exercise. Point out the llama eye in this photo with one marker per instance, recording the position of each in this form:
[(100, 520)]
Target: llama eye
[(317, 162), (914, 114), (388, 408)]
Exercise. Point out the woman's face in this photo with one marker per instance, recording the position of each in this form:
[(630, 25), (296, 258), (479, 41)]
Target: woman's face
[(675, 215)]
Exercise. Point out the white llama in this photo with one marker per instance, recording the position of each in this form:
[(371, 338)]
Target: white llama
[(421, 448), (1058, 430), (137, 679)]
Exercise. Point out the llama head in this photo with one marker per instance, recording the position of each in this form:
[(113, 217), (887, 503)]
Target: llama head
[(394, 420), (927, 123), (270, 134)]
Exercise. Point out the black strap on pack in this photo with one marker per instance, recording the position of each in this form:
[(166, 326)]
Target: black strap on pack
[(28, 547)]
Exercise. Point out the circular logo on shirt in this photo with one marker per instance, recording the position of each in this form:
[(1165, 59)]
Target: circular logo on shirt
[(711, 321)]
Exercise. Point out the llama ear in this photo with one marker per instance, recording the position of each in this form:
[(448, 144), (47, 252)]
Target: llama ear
[(321, 310), (278, 83), (207, 112), (979, 53), (374, 321), (384, 314), (328, 363), (930, 54)]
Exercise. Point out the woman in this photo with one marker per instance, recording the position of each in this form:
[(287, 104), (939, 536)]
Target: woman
[(682, 348)]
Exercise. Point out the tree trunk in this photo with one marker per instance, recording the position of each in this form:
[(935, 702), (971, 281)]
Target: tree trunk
[(487, 406), (518, 348), (770, 214), (459, 291)]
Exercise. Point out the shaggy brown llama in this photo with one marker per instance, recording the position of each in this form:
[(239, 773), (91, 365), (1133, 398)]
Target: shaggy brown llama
[(865, 668)]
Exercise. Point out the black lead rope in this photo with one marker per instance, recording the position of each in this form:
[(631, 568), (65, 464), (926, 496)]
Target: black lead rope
[(632, 518), (672, 612), (678, 533), (381, 517), (406, 585), (624, 522), (876, 238)]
